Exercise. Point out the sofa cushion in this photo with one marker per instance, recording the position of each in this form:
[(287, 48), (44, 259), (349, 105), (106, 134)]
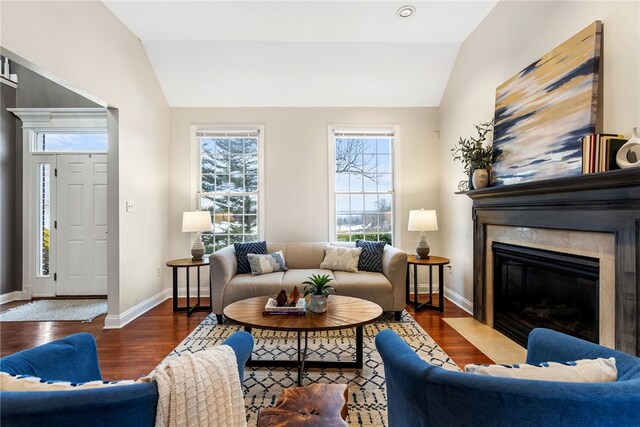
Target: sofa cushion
[(304, 254), (242, 249), (277, 246), (263, 264), (341, 259), (581, 371), (13, 382), (374, 287), (244, 286), (296, 277), (371, 256)]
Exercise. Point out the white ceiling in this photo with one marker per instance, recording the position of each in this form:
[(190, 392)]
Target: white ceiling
[(301, 53)]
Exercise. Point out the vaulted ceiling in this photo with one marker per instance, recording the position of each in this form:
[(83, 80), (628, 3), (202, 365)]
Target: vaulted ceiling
[(301, 53)]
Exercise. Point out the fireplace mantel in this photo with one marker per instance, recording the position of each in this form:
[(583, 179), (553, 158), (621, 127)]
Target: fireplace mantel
[(606, 202)]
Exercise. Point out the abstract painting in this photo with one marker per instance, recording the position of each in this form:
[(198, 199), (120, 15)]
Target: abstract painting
[(543, 112)]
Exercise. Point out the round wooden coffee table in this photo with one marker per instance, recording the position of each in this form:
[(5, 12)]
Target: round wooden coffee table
[(343, 313)]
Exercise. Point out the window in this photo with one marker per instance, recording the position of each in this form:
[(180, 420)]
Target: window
[(44, 218), (70, 142), (229, 185), (362, 166)]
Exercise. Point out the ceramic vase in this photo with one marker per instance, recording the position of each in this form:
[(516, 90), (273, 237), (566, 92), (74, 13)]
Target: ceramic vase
[(629, 154), (480, 178), (318, 303)]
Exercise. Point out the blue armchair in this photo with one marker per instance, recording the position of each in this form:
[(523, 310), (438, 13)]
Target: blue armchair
[(75, 359), (420, 394)]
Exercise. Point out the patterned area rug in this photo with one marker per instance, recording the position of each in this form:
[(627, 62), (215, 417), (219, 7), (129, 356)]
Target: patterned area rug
[(49, 310), (367, 391)]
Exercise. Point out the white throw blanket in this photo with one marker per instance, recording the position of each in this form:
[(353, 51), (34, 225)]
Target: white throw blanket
[(200, 389)]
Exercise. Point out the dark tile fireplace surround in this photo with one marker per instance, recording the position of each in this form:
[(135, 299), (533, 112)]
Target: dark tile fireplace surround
[(603, 203)]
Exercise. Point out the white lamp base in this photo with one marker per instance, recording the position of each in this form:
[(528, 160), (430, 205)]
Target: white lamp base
[(197, 250)]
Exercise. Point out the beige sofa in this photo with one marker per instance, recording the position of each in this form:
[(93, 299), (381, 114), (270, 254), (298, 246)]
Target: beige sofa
[(386, 289)]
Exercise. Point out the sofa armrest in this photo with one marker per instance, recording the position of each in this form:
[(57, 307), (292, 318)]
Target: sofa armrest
[(546, 345), (127, 405), (420, 395), (242, 344), (222, 268), (53, 360), (394, 267), (405, 371)]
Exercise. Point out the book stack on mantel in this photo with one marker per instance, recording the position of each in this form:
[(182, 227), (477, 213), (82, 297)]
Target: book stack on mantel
[(599, 152)]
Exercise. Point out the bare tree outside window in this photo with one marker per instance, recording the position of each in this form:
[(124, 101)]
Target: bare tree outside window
[(364, 188), (350, 157)]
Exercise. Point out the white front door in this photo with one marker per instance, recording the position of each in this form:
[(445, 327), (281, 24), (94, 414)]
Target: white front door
[(82, 224)]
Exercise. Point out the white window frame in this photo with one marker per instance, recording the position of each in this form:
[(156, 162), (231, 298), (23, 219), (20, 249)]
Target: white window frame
[(196, 166), (89, 130), (395, 175)]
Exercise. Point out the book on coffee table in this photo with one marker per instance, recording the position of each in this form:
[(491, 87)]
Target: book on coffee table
[(272, 307)]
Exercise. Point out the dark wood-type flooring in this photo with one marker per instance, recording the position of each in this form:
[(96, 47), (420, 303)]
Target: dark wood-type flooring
[(137, 348)]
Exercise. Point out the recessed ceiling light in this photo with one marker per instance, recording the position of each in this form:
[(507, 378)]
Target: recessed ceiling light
[(406, 11)]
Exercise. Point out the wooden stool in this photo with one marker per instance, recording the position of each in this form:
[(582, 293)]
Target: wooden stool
[(321, 405)]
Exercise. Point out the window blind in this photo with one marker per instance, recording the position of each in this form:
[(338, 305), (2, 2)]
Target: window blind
[(227, 134), (363, 134)]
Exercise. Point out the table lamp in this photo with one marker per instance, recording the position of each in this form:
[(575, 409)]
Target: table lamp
[(197, 222), (421, 220)]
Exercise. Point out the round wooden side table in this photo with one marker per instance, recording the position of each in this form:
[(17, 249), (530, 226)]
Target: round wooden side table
[(187, 263), (430, 261)]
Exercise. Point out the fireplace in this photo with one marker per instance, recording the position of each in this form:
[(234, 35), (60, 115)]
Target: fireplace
[(594, 216), (535, 288)]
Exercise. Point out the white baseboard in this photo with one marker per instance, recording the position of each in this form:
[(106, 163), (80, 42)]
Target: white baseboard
[(423, 288), (10, 296), (118, 321), (459, 300)]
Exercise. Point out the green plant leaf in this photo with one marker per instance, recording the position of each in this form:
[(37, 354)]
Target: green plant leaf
[(470, 151), (317, 285)]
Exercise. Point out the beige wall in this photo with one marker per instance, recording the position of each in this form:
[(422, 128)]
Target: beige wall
[(84, 46), (296, 170), (514, 35)]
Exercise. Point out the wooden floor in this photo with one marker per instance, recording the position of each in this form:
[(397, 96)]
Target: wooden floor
[(134, 350)]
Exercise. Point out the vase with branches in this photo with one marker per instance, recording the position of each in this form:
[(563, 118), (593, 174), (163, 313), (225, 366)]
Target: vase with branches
[(472, 152)]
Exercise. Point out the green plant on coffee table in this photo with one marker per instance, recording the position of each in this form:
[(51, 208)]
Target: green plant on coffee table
[(317, 284), (470, 151)]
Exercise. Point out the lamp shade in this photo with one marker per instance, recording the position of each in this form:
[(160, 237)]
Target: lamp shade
[(196, 221), (421, 220)]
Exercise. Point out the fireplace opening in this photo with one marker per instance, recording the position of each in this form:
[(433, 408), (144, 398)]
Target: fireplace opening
[(538, 288)]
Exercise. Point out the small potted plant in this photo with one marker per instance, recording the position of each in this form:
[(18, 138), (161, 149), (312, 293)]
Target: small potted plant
[(476, 157), (318, 288)]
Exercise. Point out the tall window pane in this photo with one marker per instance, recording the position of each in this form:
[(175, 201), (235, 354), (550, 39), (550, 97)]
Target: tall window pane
[(363, 185), (44, 218), (229, 186)]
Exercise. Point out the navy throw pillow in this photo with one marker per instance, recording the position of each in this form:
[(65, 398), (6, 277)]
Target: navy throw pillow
[(242, 249), (371, 256)]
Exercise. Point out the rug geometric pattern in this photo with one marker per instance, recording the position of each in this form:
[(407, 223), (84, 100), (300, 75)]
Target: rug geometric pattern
[(56, 310), (367, 391)]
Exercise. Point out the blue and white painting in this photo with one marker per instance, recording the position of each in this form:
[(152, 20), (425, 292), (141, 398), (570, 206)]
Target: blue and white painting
[(543, 112)]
